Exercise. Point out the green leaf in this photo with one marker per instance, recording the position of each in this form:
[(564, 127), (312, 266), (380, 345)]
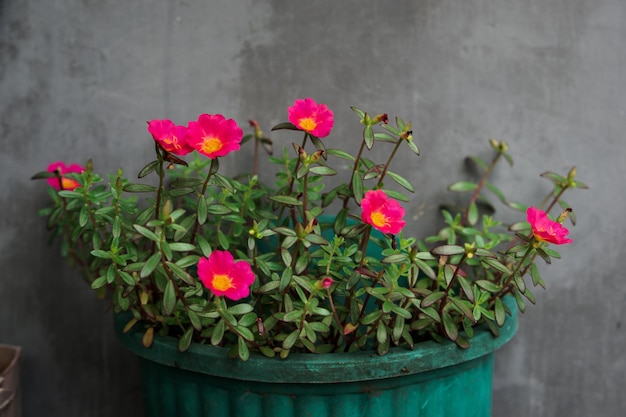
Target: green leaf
[(449, 326), (185, 340), (290, 340), (144, 231), (447, 250), (368, 136), (283, 126), (182, 247), (413, 147), (285, 279), (358, 112), (432, 298), (139, 188), (284, 199), (148, 169), (240, 309), (472, 214), (205, 248), (499, 312), (463, 186), (340, 154), (169, 298), (488, 285), (180, 273), (496, 265), (202, 210), (218, 209), (497, 192), (150, 265), (218, 333), (385, 137), (244, 352), (357, 187), (394, 259), (322, 170), (401, 181), (83, 218)]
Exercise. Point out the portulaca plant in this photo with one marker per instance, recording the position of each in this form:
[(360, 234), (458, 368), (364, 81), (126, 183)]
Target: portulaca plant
[(295, 266)]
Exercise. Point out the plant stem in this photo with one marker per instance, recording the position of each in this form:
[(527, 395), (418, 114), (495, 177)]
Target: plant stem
[(386, 167), (480, 186)]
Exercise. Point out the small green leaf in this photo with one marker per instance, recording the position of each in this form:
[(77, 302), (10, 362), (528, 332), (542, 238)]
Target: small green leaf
[(283, 126), (218, 333), (169, 298), (401, 181), (83, 218), (244, 352), (499, 312), (472, 214), (148, 169), (463, 186), (150, 265), (488, 285), (368, 136), (144, 231), (284, 199), (322, 170), (185, 341), (447, 250), (432, 298), (202, 210), (357, 187), (449, 326), (139, 188)]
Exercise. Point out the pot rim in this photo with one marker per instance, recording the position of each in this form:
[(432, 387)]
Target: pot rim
[(317, 368)]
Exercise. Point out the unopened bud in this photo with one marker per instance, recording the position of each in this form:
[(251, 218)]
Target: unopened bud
[(564, 215), (572, 174), (380, 118)]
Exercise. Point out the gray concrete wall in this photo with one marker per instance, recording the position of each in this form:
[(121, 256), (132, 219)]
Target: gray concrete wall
[(79, 79)]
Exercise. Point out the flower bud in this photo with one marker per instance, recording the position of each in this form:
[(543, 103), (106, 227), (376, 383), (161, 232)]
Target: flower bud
[(380, 118), (563, 215)]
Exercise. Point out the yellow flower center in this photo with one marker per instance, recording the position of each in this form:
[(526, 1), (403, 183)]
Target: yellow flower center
[(212, 144), (307, 124), (379, 219), (68, 183), (222, 282)]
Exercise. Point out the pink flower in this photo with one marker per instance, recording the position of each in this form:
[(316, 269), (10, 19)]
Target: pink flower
[(382, 212), (327, 282), (223, 276), (213, 135), (172, 138), (64, 183), (307, 115), (546, 230)]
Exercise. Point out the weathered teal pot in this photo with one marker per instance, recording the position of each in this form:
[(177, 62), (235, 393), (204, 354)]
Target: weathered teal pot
[(434, 379)]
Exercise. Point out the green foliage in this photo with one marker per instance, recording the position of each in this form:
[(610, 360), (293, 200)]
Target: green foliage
[(386, 290)]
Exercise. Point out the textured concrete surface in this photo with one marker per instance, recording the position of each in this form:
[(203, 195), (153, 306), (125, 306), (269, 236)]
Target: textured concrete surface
[(78, 79)]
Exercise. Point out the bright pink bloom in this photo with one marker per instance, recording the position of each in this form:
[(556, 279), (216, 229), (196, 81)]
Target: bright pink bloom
[(223, 276), (546, 230), (213, 135), (172, 138), (307, 115), (382, 212), (327, 282), (64, 183)]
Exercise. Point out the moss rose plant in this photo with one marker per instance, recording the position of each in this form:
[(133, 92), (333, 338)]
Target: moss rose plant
[(297, 266)]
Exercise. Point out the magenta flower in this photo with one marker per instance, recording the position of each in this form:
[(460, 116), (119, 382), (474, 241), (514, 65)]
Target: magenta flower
[(64, 183), (327, 282), (546, 230), (213, 135), (223, 276), (172, 138), (307, 115), (382, 212)]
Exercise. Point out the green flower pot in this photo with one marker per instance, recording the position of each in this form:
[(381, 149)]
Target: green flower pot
[(434, 379)]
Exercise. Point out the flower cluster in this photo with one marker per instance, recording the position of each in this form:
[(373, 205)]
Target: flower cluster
[(295, 266)]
